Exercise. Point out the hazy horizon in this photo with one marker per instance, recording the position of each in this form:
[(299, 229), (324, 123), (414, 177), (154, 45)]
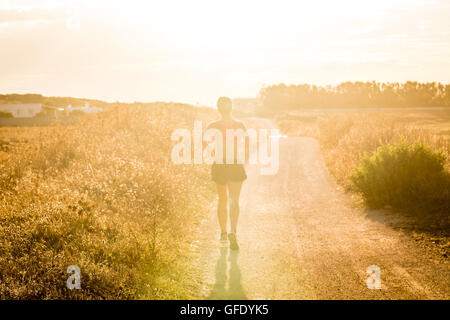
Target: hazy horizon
[(194, 52)]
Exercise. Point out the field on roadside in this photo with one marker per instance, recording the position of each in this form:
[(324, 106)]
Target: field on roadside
[(105, 196), (329, 127), (346, 135)]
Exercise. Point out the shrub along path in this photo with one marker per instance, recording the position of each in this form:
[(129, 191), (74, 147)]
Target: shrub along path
[(302, 238)]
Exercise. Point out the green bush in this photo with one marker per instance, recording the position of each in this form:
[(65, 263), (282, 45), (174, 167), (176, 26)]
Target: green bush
[(405, 176)]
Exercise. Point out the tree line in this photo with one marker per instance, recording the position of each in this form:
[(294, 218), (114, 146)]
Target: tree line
[(15, 98), (355, 95)]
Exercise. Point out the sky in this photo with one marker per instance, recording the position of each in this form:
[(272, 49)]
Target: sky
[(195, 51)]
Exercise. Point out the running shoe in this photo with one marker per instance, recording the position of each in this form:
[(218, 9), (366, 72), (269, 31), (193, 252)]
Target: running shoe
[(233, 241)]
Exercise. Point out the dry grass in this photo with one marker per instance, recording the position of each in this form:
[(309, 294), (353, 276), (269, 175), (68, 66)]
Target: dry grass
[(345, 136), (103, 195), (344, 140)]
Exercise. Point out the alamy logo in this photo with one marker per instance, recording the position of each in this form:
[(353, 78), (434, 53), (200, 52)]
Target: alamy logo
[(374, 280), (257, 146), (74, 281)]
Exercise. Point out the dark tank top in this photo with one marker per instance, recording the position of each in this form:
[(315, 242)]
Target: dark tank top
[(230, 125)]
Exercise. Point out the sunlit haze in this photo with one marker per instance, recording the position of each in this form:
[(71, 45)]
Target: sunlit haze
[(195, 51)]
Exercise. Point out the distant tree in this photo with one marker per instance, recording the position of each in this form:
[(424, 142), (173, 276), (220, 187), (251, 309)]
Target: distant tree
[(77, 113), (45, 113), (21, 98), (5, 114), (354, 95)]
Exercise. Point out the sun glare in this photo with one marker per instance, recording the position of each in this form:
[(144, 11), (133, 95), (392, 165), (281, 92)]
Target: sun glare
[(224, 150), (232, 47)]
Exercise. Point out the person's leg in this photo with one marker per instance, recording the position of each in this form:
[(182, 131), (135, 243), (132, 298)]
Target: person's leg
[(235, 191), (222, 206)]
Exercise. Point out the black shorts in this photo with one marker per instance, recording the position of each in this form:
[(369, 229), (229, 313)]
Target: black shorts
[(224, 173)]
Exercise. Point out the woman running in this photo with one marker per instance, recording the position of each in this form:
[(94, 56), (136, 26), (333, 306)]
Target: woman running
[(228, 176)]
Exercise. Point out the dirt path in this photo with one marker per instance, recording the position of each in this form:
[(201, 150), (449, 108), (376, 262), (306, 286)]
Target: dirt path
[(301, 239)]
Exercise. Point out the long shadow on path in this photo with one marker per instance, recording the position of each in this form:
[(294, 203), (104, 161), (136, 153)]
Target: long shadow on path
[(234, 290)]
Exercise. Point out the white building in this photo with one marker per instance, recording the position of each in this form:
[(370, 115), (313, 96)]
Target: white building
[(86, 109), (28, 110)]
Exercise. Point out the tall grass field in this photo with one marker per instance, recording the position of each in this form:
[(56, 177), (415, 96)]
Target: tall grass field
[(397, 158), (103, 195)]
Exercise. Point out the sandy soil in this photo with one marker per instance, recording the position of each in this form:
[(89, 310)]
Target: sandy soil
[(302, 238)]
